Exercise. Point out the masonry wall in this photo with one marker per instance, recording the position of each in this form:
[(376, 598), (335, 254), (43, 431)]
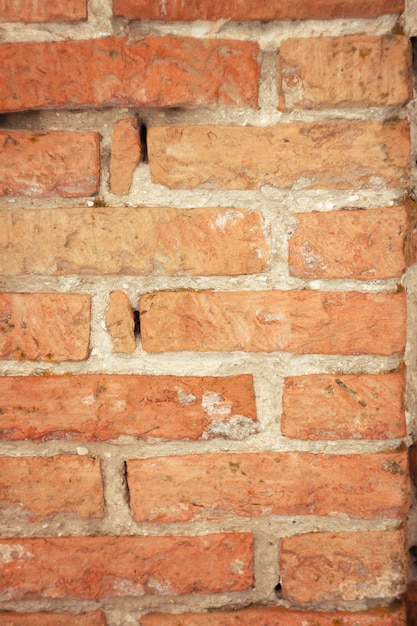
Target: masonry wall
[(207, 234)]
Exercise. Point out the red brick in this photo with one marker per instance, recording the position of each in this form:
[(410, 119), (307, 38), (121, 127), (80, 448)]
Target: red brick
[(44, 11), (44, 326), (264, 10), (34, 488), (126, 153), (133, 241), (214, 486), (120, 323), (349, 244), (104, 407), (50, 163), (348, 406), (106, 567), (278, 616), (93, 618), (264, 321), (325, 155), (154, 71), (354, 71), (326, 567)]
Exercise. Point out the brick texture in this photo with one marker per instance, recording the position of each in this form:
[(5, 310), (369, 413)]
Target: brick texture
[(349, 244), (264, 10), (100, 567), (135, 241), (328, 155), (295, 321), (44, 326), (354, 71), (120, 323), (34, 488), (155, 71), (325, 567), (167, 489), (42, 11), (104, 407), (126, 153), (40, 164), (349, 406), (92, 618)]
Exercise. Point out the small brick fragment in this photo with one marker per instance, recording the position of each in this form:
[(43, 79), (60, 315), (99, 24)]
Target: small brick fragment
[(126, 154), (349, 244), (121, 323), (326, 155), (173, 489), (41, 164), (347, 406), (92, 618), (339, 72), (44, 326), (351, 566), (303, 322), (108, 567), (30, 11), (411, 603)]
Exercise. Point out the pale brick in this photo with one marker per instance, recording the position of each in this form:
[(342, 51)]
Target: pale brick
[(28, 11), (126, 154)]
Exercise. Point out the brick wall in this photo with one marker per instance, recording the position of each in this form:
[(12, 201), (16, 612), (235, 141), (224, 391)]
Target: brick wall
[(208, 243)]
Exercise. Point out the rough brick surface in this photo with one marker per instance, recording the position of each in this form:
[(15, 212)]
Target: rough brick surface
[(121, 323), (100, 567), (93, 618), (44, 326), (43, 164), (265, 321), (279, 617), (135, 241), (326, 567), (155, 71), (167, 489), (171, 10), (329, 155), (103, 407), (354, 71), (34, 488), (349, 244), (350, 406), (126, 153), (44, 11)]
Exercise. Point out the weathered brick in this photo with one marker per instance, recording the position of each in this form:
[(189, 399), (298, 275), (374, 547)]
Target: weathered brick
[(278, 616), (50, 163), (326, 567), (329, 155), (44, 326), (349, 244), (134, 241), (172, 10), (92, 618), (104, 407), (126, 154), (264, 321), (353, 71), (100, 567), (411, 603), (214, 486), (154, 71), (348, 406), (120, 323), (34, 11)]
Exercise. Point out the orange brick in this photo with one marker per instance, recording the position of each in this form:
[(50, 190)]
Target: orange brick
[(215, 486), (325, 155), (349, 244), (154, 71), (133, 241), (104, 407), (264, 321), (120, 323), (44, 326), (126, 153), (171, 10), (278, 616), (44, 11), (349, 406), (93, 618), (34, 488), (326, 567), (107, 567), (50, 163), (354, 71)]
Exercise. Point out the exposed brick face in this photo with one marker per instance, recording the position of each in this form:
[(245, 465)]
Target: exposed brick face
[(120, 323), (126, 153), (43, 11)]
